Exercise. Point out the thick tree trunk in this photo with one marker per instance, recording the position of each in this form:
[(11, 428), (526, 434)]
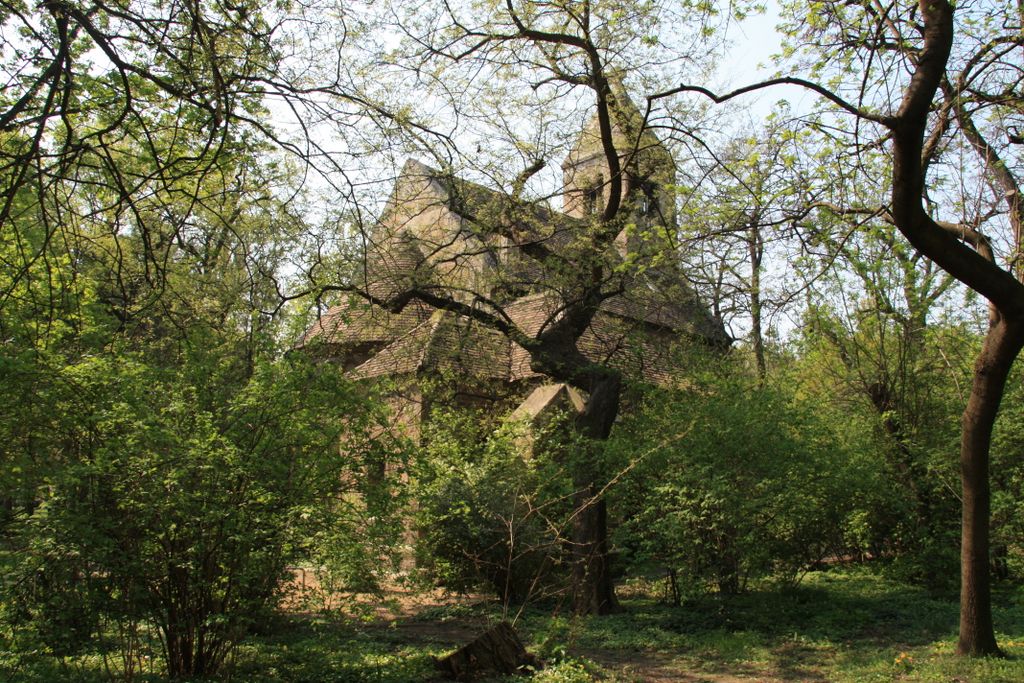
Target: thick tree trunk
[(1002, 344), (593, 591), (593, 588), (978, 270)]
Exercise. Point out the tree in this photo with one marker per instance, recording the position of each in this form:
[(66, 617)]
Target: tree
[(161, 467), (116, 117), (929, 70), (176, 511), (737, 228), (489, 516), (866, 358), (885, 326)]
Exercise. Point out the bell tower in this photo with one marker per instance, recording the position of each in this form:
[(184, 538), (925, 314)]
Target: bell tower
[(648, 176)]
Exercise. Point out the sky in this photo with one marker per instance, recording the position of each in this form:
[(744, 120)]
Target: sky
[(754, 42)]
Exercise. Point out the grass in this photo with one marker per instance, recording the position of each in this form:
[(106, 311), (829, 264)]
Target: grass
[(849, 625), (836, 626)]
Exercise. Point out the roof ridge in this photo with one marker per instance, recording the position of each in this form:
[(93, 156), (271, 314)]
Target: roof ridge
[(446, 179), (436, 318), (397, 341)]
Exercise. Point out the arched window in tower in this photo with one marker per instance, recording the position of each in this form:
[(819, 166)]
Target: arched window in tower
[(648, 200), (592, 197)]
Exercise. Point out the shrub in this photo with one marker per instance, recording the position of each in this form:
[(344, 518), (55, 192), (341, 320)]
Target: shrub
[(178, 506), (729, 480), (486, 514)]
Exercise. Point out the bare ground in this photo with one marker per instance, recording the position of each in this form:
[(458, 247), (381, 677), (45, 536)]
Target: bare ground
[(403, 615)]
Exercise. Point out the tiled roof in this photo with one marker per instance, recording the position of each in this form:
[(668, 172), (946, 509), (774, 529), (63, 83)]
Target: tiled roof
[(392, 265), (448, 343), (639, 353), (674, 307), (533, 221), (444, 343), (356, 322), (404, 355), (417, 339)]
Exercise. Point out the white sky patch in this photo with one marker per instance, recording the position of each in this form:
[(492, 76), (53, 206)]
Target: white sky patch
[(754, 43)]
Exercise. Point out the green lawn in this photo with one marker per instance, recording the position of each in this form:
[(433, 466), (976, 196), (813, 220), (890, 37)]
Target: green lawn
[(837, 626)]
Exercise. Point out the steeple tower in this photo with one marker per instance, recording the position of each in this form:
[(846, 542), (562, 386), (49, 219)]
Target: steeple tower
[(648, 172)]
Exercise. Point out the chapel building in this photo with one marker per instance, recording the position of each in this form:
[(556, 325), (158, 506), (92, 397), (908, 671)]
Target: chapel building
[(434, 232)]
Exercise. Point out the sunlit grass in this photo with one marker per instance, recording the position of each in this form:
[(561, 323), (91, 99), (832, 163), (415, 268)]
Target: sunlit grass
[(850, 625)]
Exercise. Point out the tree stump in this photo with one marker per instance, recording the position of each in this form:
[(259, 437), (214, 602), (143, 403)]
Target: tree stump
[(497, 651)]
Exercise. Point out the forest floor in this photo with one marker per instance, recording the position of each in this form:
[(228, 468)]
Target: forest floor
[(839, 625)]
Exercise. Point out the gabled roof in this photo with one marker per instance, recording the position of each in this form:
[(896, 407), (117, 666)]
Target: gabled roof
[(640, 349), (547, 398), (447, 343), (392, 266), (356, 322), (434, 230), (444, 343), (672, 306), (479, 207)]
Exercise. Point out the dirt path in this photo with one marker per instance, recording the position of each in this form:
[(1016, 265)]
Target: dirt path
[(654, 667), (446, 621)]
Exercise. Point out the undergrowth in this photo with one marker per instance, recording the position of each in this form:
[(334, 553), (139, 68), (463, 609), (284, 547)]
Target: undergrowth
[(849, 625)]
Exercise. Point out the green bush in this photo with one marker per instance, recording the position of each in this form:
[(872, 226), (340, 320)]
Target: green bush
[(178, 506), (731, 480), (902, 380), (1008, 481), (488, 515)]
